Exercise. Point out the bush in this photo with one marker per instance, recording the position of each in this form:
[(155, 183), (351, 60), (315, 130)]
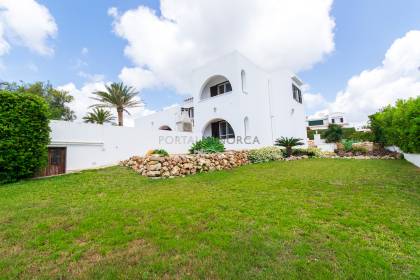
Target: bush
[(265, 154), (398, 125), (333, 134), (310, 152), (161, 152), (362, 136), (288, 143), (314, 152), (347, 143), (24, 135), (360, 149), (207, 145)]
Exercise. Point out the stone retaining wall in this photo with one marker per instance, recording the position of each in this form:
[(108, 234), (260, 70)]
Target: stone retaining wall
[(181, 165)]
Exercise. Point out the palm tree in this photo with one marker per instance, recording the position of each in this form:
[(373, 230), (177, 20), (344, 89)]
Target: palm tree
[(288, 143), (99, 116), (119, 96)]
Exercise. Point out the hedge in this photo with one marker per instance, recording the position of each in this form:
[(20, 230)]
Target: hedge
[(347, 132), (398, 125), (24, 135)]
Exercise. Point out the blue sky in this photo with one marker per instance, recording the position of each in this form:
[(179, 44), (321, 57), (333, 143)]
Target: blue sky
[(364, 31)]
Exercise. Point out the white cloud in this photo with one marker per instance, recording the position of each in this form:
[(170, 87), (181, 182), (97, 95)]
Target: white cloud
[(84, 51), (4, 45), (113, 11), (91, 77), (82, 96), (397, 78), (138, 77), (313, 100), (28, 23), (292, 34), (170, 106)]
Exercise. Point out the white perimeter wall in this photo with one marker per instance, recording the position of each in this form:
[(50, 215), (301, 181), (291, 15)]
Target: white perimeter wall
[(91, 145), (154, 121), (413, 158)]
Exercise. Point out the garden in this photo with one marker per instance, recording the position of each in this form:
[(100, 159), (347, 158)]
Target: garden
[(276, 212), (304, 219)]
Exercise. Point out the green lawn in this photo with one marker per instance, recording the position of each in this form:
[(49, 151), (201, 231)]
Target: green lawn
[(308, 219)]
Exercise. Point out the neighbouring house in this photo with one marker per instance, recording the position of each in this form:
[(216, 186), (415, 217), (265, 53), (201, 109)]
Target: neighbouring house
[(322, 122), (235, 100), (231, 99)]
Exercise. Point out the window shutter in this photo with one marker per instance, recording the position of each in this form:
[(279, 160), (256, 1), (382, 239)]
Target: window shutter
[(215, 129), (213, 91), (228, 87)]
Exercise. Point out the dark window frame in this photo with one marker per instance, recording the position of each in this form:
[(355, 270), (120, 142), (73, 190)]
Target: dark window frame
[(316, 122), (220, 88), (222, 130), (297, 93)]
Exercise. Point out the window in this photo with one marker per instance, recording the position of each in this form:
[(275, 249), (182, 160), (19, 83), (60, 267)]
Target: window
[(297, 94), (341, 120), (190, 112), (315, 122), (243, 79), (222, 130), (333, 120), (220, 89)]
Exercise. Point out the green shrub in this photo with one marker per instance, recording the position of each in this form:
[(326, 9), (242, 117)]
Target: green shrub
[(288, 143), (359, 149), (310, 152), (314, 152), (398, 125), (24, 135), (265, 154), (161, 152), (207, 145), (362, 136), (333, 134), (347, 143)]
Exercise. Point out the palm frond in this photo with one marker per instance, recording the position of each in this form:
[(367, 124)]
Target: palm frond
[(117, 95)]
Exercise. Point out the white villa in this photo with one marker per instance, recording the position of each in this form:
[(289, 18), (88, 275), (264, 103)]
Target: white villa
[(232, 99), (322, 122)]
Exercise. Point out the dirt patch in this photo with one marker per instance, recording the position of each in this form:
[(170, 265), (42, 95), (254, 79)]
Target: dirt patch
[(130, 255)]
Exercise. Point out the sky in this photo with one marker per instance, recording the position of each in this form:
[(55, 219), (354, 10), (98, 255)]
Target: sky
[(354, 56)]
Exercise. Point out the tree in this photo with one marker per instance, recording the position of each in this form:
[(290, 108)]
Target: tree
[(57, 100), (119, 96), (398, 125), (288, 143), (24, 135), (333, 134), (99, 116)]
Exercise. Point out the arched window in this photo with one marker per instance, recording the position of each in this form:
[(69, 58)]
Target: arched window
[(219, 128), (243, 80), (246, 126), (215, 86)]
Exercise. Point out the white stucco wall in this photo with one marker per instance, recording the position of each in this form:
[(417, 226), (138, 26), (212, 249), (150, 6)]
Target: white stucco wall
[(154, 121), (413, 158), (91, 145), (267, 101)]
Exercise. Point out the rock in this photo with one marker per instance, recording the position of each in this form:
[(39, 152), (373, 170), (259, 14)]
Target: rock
[(155, 167), (175, 171), (158, 158), (153, 173)]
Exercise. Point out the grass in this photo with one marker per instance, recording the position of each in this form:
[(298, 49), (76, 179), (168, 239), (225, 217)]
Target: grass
[(308, 219)]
